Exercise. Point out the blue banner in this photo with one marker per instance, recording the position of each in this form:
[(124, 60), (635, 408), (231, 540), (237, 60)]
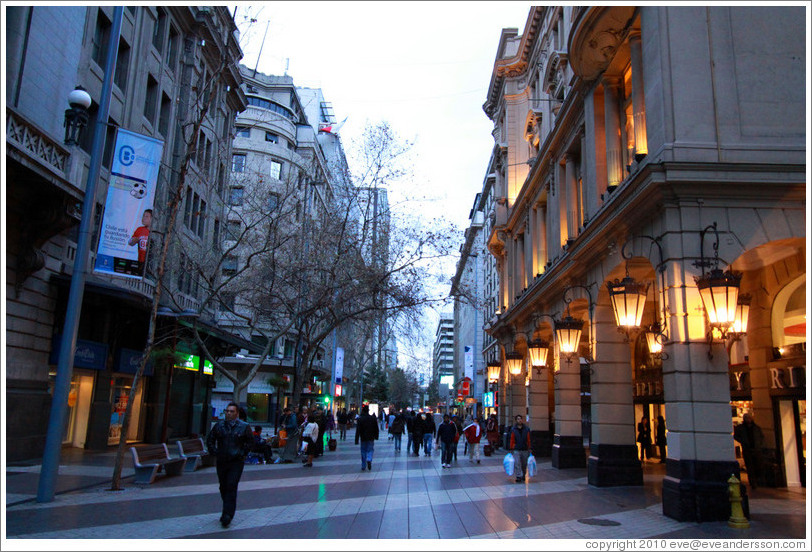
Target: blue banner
[(89, 354), (129, 360), (125, 228)]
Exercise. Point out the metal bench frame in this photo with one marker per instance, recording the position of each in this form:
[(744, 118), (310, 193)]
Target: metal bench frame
[(197, 456), (147, 470)]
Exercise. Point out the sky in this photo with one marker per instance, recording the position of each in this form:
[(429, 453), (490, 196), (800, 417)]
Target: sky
[(423, 67)]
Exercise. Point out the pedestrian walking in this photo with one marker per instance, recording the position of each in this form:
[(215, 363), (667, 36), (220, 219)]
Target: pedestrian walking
[(751, 439), (367, 434), (473, 434), (644, 437), (520, 446), (292, 436), (458, 425), (446, 435), (409, 422), (396, 429), (417, 432), (342, 419), (229, 441), (492, 431), (310, 435), (660, 439), (429, 431), (321, 421)]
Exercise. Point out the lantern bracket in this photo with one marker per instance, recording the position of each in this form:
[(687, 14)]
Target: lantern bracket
[(591, 308), (660, 327)]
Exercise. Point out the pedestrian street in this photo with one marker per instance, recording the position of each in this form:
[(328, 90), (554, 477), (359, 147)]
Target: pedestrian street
[(403, 497)]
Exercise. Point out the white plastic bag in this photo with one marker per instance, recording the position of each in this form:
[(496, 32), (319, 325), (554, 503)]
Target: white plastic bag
[(509, 463), (531, 466)]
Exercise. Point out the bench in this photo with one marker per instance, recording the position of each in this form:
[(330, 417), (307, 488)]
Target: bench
[(149, 459), (195, 453)]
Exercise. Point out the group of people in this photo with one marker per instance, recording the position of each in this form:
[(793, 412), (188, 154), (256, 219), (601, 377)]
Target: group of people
[(644, 438)]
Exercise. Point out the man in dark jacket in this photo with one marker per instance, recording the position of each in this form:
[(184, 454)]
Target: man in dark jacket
[(229, 441), (413, 444), (520, 445), (446, 435), (367, 434), (426, 422)]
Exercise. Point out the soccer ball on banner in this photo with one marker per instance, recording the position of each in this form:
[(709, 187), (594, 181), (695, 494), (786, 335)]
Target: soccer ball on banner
[(139, 190)]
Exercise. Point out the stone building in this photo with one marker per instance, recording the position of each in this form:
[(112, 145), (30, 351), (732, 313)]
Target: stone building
[(168, 60), (639, 150)]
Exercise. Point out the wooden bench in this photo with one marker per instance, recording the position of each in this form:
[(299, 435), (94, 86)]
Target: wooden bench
[(149, 459), (195, 453)]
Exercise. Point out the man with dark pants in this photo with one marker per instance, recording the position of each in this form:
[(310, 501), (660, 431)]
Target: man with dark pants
[(229, 441), (751, 439), (367, 434), (520, 445)]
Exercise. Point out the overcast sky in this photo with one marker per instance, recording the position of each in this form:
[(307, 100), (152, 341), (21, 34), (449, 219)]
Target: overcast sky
[(424, 67)]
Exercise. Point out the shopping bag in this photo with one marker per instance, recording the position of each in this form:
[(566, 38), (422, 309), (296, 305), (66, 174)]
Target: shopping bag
[(509, 463), (283, 437), (531, 466), (304, 446)]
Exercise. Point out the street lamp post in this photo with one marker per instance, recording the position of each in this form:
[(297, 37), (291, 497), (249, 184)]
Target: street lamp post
[(67, 346)]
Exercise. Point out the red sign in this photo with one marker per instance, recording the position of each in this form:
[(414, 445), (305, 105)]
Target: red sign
[(466, 387), (339, 390)]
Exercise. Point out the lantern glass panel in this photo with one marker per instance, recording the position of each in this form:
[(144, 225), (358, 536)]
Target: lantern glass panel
[(628, 300), (653, 340), (742, 315), (513, 361), (538, 354)]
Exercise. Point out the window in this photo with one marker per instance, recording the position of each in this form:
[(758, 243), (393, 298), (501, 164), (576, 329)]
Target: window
[(151, 99), (107, 156), (226, 302), (221, 179), (271, 106), (230, 265), (243, 131), (199, 225), (122, 65), (273, 201), (187, 213), (238, 162), (172, 48), (276, 170), (215, 236), (234, 229), (236, 195), (159, 30), (271, 137), (101, 37), (163, 119)]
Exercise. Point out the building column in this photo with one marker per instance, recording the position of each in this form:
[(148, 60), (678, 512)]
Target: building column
[(541, 439), (568, 441), (614, 160), (638, 98), (613, 459), (701, 455)]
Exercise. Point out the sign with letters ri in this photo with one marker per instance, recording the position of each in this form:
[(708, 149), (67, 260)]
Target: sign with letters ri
[(125, 228)]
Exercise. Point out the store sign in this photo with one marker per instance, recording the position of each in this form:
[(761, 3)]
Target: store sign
[(129, 361), (487, 399), (791, 377), (88, 354), (339, 390), (192, 363)]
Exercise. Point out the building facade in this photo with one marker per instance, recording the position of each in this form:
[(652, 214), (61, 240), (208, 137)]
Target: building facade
[(164, 54), (640, 143)]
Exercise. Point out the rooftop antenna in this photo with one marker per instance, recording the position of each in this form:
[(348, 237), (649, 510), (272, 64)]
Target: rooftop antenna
[(260, 48), (287, 66)]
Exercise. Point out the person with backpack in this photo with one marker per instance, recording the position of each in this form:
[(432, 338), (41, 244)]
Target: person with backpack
[(342, 420), (310, 436), (396, 429)]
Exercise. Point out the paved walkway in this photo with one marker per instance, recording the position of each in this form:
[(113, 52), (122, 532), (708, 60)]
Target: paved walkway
[(403, 497)]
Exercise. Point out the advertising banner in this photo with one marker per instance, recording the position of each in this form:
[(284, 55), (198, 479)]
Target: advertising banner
[(125, 228), (469, 362), (339, 364)]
